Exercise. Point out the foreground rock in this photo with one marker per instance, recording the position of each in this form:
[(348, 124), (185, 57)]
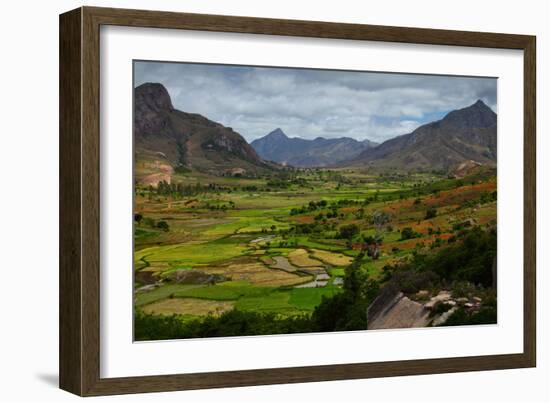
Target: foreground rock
[(393, 310)]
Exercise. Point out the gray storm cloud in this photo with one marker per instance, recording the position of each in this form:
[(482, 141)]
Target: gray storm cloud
[(311, 103)]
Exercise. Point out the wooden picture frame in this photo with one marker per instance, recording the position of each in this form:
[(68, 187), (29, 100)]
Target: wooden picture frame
[(80, 184)]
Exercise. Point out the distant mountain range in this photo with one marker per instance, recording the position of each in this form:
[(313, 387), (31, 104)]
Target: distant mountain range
[(464, 134), (167, 139), (298, 152)]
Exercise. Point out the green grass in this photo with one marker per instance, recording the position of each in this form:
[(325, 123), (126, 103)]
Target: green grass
[(248, 297), (374, 267), (231, 290), (276, 301), (259, 212), (279, 251), (145, 234), (308, 243), (161, 293), (392, 236), (308, 298), (228, 291), (245, 225), (337, 271), (193, 254)]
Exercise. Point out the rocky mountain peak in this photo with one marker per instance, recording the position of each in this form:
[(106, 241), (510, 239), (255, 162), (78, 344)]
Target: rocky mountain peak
[(299, 152), (152, 97), (469, 133), (187, 139), (476, 115), (277, 133)]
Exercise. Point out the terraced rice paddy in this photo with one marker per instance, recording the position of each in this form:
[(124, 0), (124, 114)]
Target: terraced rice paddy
[(189, 306), (273, 251)]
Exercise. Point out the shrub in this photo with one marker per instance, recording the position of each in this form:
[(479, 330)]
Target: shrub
[(470, 260), (431, 213), (411, 281), (407, 233), (163, 225), (348, 231), (485, 316)]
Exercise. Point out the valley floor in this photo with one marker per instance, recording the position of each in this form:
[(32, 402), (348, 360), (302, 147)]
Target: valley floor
[(278, 246)]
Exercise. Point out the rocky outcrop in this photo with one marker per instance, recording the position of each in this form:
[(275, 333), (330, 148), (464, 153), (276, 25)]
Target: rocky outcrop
[(393, 310), (465, 168), (185, 140)]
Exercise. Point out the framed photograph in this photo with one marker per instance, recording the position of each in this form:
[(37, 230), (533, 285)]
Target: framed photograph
[(250, 201)]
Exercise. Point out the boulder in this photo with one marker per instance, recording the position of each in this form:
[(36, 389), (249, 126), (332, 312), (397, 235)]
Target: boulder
[(393, 310), (443, 296), (422, 294), (441, 319)]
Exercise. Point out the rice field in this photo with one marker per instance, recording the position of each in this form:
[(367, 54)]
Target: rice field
[(255, 249)]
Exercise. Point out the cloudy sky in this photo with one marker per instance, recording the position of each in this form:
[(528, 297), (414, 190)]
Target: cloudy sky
[(311, 103)]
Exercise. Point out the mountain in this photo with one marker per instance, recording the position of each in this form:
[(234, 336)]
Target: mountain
[(166, 139), (462, 135), (278, 147)]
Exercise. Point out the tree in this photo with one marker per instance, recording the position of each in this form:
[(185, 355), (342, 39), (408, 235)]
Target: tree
[(354, 277), (349, 231), (431, 213), (163, 225), (372, 244), (138, 217), (347, 310), (379, 219), (407, 233)]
